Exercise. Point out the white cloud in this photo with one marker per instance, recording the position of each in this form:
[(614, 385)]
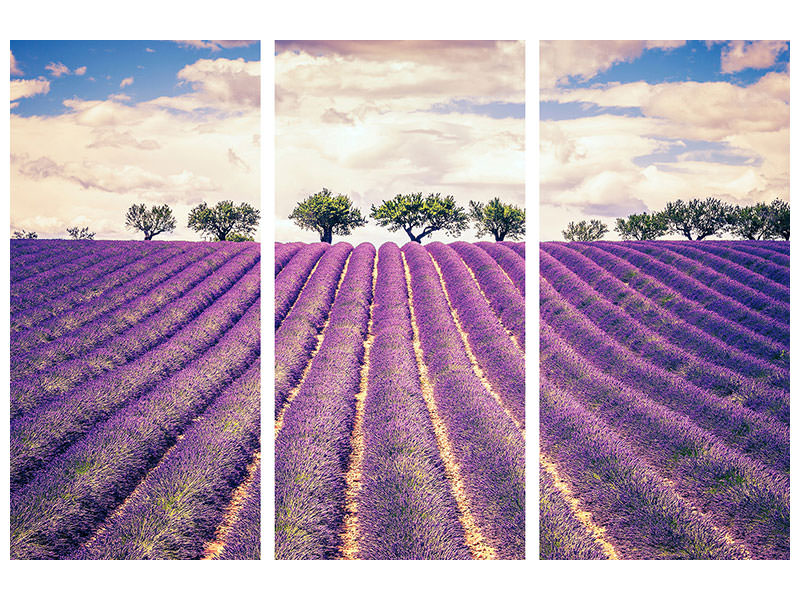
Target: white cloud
[(582, 59), (740, 55), (80, 71), (93, 161), (25, 88), (215, 45), (57, 69), (149, 50), (358, 120), (15, 69), (126, 82)]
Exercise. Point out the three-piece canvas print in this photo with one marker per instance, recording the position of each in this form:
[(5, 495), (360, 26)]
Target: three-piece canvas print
[(398, 426)]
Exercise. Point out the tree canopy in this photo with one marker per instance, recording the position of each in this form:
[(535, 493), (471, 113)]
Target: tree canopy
[(697, 219), (25, 235), (80, 233), (429, 214), (498, 219), (585, 232), (150, 221), (642, 226), (223, 220), (327, 215), (779, 215)]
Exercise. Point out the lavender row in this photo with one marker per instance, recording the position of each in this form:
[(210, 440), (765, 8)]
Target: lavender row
[(756, 264), (502, 363), (727, 266), (511, 262), (289, 282), (173, 513), (752, 433), (738, 492), (71, 262), (56, 255), (719, 283), (406, 509), (76, 332), (284, 253), (503, 298), (38, 312), (756, 394), (59, 325), (688, 311), (46, 431), (689, 289), (177, 311), (642, 515), (23, 252), (561, 535), (243, 541), (297, 335), (489, 449), (100, 273), (518, 247), (75, 492), (779, 246), (313, 445), (765, 253)]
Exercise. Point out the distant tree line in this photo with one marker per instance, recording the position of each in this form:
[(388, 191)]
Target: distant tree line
[(417, 215), (223, 222), (695, 220)]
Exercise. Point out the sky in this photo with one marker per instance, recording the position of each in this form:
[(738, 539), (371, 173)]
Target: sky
[(627, 126), (97, 126), (375, 119)]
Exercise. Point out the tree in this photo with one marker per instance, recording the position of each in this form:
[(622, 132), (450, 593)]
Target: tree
[(25, 235), (585, 232), (80, 233), (498, 219), (238, 237), (697, 219), (779, 217), (327, 215), (642, 226), (223, 220), (751, 222), (432, 213), (150, 221)]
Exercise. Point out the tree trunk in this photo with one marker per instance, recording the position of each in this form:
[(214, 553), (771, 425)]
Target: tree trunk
[(499, 237), (148, 236), (327, 236)]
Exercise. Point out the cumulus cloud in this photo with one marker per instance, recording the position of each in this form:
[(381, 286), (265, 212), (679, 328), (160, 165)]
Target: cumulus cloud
[(216, 45), (57, 69), (15, 69), (80, 71), (582, 60), (25, 88), (149, 50), (102, 156), (357, 118), (126, 82), (740, 55)]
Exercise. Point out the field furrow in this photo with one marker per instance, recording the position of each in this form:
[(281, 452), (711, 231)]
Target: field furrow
[(512, 263), (487, 445), (669, 422), (293, 277), (284, 253)]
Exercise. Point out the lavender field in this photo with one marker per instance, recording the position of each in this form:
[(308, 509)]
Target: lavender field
[(399, 401), (664, 400), (135, 400)]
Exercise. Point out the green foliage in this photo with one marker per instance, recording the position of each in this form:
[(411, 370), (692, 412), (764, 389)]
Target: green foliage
[(327, 215), (238, 237), (751, 222), (498, 219), (779, 215), (642, 226), (411, 211), (150, 221), (585, 232), (697, 219), (80, 233), (25, 235), (225, 219)]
